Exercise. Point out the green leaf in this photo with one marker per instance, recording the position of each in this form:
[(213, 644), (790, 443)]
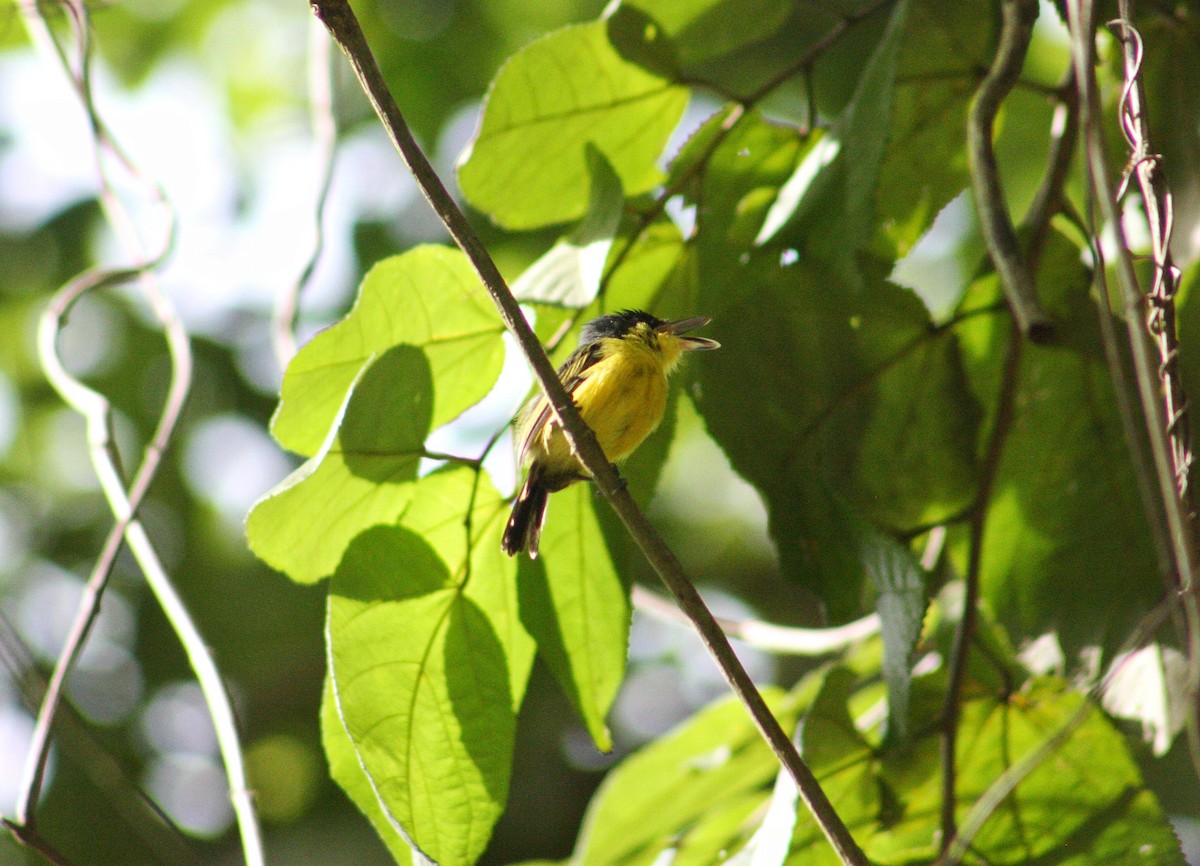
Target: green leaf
[(899, 581), (843, 763), (841, 208), (438, 513), (695, 30), (428, 297), (1065, 501), (1065, 504), (360, 477), (527, 165), (924, 162), (569, 273), (422, 688), (714, 762), (851, 394), (577, 608), (348, 773), (1083, 803), (732, 170)]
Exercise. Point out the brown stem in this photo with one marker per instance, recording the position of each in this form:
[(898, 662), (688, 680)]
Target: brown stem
[(343, 26), (964, 634), (994, 220)]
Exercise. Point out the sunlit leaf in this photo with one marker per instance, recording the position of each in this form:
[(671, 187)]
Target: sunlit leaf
[(348, 773), (446, 505), (429, 298), (716, 760), (1052, 812), (569, 273), (422, 688), (527, 165), (360, 477), (577, 607)]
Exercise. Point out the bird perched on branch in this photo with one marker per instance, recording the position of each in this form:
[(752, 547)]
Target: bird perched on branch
[(617, 376)]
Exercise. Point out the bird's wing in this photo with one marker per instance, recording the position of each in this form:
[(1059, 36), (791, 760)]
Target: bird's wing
[(538, 410)]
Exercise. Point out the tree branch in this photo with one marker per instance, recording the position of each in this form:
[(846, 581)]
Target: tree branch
[(342, 24), (994, 220)]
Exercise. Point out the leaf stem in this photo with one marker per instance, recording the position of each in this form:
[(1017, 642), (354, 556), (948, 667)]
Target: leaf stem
[(339, 18), (965, 632)]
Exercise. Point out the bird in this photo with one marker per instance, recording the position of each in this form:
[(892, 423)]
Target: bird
[(617, 377)]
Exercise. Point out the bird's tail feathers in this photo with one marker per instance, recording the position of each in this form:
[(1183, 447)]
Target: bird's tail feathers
[(524, 529)]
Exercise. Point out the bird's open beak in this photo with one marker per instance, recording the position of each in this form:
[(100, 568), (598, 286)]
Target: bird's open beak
[(683, 326)]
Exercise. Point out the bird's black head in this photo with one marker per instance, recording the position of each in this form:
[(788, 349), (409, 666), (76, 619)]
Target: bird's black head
[(616, 325)]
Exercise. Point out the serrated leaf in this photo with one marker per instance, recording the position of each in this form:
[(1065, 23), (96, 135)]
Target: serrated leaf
[(429, 297), (577, 608), (526, 167), (851, 153), (1065, 503), (421, 683), (851, 394), (924, 162), (899, 581), (360, 477), (569, 273)]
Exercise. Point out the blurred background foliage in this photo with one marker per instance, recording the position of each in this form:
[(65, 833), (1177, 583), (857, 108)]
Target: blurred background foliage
[(210, 97)]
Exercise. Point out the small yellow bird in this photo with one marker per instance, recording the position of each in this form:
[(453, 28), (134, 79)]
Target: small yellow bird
[(618, 378)]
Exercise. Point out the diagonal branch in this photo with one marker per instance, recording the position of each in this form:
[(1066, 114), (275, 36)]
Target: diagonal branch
[(339, 18)]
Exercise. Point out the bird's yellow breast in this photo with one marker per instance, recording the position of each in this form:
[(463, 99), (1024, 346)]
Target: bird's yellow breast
[(622, 398)]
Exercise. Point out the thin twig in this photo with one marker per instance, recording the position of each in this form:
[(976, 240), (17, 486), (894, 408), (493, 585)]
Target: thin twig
[(320, 101), (1160, 214), (994, 220), (96, 411), (339, 18), (1049, 198), (98, 416), (965, 632), (1161, 473), (767, 636), (1156, 197)]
